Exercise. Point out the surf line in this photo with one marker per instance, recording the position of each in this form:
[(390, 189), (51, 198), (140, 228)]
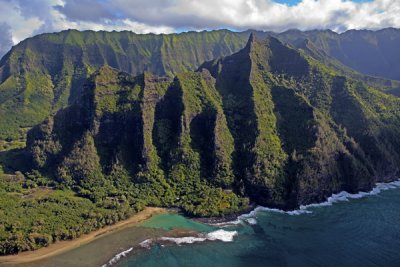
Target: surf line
[(250, 218), (218, 235)]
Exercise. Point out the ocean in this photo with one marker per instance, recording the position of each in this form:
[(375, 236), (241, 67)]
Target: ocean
[(347, 230)]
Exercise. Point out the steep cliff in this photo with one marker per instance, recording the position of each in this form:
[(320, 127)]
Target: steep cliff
[(269, 122), (44, 73)]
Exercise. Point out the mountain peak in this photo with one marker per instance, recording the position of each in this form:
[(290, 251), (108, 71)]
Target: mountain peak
[(252, 39), (106, 69)]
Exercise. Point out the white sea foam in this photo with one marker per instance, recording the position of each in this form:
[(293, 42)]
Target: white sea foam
[(146, 243), (250, 218), (183, 240), (244, 218), (345, 196), (221, 235), (223, 224), (117, 257), (251, 221), (305, 209)]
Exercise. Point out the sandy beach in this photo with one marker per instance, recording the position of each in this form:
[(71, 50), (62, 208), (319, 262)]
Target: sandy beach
[(63, 246)]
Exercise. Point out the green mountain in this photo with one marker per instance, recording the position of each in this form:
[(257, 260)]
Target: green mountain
[(273, 124), (369, 52), (268, 122), (301, 129), (152, 140), (45, 73)]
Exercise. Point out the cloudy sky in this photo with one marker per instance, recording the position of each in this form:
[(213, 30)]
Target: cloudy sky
[(20, 19)]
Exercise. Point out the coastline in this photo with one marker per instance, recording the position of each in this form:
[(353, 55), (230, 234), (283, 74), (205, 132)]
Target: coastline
[(64, 246), (341, 196), (214, 220), (247, 215)]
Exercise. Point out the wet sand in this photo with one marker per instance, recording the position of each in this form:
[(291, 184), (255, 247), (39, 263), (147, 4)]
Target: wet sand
[(64, 246)]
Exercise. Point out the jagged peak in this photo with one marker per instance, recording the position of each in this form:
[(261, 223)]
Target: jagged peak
[(105, 69), (250, 42), (254, 44), (149, 79), (252, 37), (104, 75)]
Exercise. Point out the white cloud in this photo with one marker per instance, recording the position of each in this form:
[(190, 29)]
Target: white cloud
[(338, 15), (6, 39), (61, 22), (27, 18)]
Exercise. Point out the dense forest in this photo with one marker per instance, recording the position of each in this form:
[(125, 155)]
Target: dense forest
[(35, 212)]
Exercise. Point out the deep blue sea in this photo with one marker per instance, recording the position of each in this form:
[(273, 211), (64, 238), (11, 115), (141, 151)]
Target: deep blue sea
[(348, 230)]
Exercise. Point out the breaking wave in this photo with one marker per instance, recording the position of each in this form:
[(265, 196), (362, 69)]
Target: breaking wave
[(117, 257), (221, 235), (250, 218)]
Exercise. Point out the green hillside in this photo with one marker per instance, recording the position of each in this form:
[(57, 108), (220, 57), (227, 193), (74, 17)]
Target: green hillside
[(45, 73), (268, 125), (268, 122)]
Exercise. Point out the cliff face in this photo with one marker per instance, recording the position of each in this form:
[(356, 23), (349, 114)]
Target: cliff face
[(290, 149), (268, 122), (45, 73), (154, 140)]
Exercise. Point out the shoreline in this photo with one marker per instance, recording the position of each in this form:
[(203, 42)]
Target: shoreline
[(301, 209), (67, 245), (225, 218)]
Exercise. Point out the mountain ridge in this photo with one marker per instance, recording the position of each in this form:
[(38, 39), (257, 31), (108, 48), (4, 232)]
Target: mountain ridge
[(42, 74), (268, 125), (241, 105)]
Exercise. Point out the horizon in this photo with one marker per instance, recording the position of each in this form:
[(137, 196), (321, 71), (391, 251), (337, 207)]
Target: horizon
[(208, 30), (197, 31), (21, 19)]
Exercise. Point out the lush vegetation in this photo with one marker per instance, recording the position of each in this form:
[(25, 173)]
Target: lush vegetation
[(34, 214), (269, 124), (302, 130), (143, 139), (45, 73), (227, 129)]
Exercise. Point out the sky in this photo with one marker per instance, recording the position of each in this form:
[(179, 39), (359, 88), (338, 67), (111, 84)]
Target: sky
[(20, 19)]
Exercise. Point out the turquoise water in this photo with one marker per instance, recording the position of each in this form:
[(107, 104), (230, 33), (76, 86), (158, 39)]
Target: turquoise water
[(173, 221), (358, 232)]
